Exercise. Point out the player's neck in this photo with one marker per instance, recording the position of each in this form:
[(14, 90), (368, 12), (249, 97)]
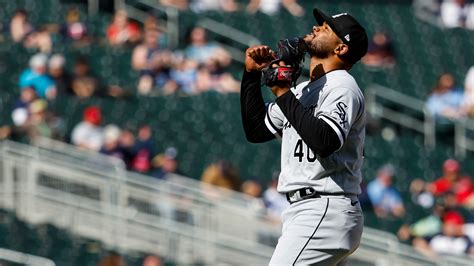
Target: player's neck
[(319, 67)]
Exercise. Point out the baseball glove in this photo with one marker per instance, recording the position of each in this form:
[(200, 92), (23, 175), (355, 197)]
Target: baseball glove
[(291, 52)]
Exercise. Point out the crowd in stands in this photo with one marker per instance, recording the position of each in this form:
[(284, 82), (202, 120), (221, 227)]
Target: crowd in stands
[(448, 229)]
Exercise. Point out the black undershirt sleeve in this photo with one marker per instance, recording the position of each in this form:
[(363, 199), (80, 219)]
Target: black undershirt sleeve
[(253, 109), (316, 133)]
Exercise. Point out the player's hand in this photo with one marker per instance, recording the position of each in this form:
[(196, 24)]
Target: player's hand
[(258, 57)]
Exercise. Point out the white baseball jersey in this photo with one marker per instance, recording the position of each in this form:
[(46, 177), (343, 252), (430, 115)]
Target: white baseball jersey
[(337, 99)]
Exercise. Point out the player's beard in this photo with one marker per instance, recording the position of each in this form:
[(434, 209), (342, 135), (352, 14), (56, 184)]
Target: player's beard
[(318, 48)]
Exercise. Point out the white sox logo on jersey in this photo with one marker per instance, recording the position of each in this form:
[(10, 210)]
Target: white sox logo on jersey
[(341, 107)]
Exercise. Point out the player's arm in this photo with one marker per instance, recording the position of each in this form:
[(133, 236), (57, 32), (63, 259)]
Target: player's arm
[(315, 132), (253, 109)]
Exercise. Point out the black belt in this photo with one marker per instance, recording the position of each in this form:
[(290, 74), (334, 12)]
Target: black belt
[(307, 193)]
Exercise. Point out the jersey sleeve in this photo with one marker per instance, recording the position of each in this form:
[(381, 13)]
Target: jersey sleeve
[(340, 109), (274, 119)]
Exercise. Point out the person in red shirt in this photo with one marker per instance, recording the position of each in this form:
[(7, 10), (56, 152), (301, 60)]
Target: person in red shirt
[(122, 31), (453, 181)]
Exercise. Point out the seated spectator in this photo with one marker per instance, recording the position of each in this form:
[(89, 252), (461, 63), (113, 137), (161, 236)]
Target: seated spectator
[(61, 77), (20, 113), (111, 145), (202, 51), (20, 27), (451, 240), (165, 163), (36, 77), (212, 77), (385, 199), (254, 192), (380, 52), (127, 145), (84, 84), (39, 40), (445, 100), (453, 181), (143, 150), (154, 64), (457, 13), (275, 201), (425, 227), (222, 174), (184, 73), (122, 31), (271, 7), (74, 30), (88, 134)]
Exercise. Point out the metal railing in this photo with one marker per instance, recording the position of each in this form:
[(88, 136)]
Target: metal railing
[(411, 113), (17, 257)]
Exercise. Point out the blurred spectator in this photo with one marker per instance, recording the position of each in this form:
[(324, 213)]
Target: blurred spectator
[(184, 73), (425, 227), (84, 83), (111, 145), (271, 7), (202, 51), (121, 30), (36, 77), (212, 76), (275, 201), (468, 100), (254, 192), (143, 150), (165, 163), (154, 64), (380, 52), (207, 5), (385, 199), (420, 195), (20, 27), (222, 174), (56, 71), (453, 181), (20, 113), (40, 40), (88, 134), (38, 126), (445, 100), (127, 145), (74, 29), (152, 260), (457, 13), (451, 240)]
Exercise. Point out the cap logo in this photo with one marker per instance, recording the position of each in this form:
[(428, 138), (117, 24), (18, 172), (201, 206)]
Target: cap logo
[(338, 15), (347, 37)]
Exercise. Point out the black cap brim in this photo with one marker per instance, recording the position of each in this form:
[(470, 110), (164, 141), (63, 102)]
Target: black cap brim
[(321, 18)]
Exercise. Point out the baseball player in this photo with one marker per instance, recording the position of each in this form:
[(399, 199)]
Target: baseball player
[(321, 125)]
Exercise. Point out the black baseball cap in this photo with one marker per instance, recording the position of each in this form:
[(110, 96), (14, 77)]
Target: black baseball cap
[(349, 30)]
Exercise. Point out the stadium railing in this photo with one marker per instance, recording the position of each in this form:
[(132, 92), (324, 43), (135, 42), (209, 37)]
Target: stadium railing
[(179, 218), (13, 256), (410, 112)]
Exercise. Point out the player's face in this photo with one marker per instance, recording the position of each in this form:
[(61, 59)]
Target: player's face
[(321, 41)]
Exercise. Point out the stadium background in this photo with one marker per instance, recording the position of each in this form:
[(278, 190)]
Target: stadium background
[(206, 127)]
